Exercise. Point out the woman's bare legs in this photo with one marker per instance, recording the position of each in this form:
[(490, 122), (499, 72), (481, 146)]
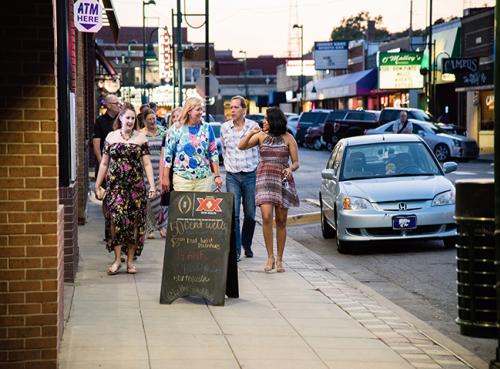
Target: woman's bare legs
[(281, 217), (266, 211), (130, 258), (115, 267)]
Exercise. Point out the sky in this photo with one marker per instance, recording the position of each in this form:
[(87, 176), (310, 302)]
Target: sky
[(261, 27)]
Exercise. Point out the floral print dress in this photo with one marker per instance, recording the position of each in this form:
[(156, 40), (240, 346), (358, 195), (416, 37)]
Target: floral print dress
[(125, 199)]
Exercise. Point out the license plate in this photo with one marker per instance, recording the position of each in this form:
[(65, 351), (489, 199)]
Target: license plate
[(404, 222)]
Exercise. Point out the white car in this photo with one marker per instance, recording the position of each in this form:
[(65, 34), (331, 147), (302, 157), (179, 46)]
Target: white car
[(386, 187), (444, 144)]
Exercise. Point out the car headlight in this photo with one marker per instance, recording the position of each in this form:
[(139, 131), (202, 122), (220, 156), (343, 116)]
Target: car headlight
[(356, 203), (445, 198), (457, 142)]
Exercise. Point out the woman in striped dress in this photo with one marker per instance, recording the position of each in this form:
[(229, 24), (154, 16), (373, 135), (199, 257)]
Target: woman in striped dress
[(155, 218), (275, 188)]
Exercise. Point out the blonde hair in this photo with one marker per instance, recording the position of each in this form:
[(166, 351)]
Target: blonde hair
[(117, 124), (178, 109), (190, 104)]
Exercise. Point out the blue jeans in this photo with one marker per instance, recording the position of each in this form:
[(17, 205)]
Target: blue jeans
[(242, 185)]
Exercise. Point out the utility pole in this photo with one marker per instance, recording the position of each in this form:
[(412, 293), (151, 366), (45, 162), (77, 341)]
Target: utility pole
[(174, 78), (410, 30), (179, 49), (495, 364), (207, 63), (429, 91)]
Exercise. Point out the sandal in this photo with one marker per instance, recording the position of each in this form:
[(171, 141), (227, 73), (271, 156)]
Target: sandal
[(114, 268), (131, 269), (151, 236), (269, 266), (163, 233), (279, 266)]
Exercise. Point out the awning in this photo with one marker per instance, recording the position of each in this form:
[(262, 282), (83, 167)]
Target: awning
[(346, 85), (99, 52)]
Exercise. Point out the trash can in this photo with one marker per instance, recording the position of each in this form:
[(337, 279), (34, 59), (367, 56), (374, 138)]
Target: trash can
[(476, 278)]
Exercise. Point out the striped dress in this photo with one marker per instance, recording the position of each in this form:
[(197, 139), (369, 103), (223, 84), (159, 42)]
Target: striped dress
[(155, 217), (271, 187)]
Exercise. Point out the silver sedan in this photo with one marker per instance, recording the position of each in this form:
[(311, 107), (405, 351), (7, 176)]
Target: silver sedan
[(445, 145), (386, 187)]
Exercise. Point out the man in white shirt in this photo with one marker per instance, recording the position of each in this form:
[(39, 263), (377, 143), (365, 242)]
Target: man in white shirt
[(240, 167), (402, 125)]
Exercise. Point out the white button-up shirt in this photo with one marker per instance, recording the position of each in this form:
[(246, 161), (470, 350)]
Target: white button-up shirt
[(236, 160)]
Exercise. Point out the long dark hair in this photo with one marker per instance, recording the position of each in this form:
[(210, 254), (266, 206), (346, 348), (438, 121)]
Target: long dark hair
[(277, 121), (117, 124)]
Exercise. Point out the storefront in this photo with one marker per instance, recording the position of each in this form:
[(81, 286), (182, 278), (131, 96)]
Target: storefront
[(347, 91)]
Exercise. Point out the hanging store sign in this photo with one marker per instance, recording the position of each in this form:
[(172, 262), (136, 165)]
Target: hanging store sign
[(331, 55), (400, 71), (469, 72), (87, 16)]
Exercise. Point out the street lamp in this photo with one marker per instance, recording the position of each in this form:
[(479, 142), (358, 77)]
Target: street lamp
[(143, 79), (301, 27), (245, 72)]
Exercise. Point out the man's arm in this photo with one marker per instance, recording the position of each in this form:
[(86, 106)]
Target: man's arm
[(96, 142)]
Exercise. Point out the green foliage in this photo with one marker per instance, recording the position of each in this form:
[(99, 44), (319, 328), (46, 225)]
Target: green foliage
[(355, 26)]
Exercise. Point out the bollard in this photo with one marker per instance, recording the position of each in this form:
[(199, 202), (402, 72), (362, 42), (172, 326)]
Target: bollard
[(476, 278)]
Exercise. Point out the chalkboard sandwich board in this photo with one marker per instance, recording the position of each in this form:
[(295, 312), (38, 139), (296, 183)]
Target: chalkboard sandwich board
[(200, 252)]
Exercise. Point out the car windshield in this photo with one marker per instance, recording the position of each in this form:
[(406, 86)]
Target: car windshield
[(313, 117), (421, 115), (388, 159)]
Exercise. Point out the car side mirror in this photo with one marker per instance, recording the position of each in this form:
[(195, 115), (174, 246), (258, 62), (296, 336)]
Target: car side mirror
[(450, 166), (327, 174), (421, 133)]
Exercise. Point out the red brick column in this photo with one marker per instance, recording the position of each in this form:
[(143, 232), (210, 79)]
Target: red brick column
[(31, 220)]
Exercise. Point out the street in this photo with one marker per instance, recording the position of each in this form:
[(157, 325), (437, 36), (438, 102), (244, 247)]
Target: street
[(419, 276)]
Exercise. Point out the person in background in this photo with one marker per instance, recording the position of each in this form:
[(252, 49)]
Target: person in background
[(240, 166), (125, 160), (275, 187), (140, 116), (194, 149), (165, 197), (402, 125), (154, 107), (103, 126), (154, 134)]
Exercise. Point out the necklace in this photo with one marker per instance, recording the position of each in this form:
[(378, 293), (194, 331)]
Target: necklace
[(129, 137)]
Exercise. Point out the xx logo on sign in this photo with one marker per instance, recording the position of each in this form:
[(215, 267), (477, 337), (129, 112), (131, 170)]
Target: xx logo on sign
[(88, 15), (209, 204)]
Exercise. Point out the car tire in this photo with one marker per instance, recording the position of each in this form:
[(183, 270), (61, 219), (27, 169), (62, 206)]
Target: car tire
[(326, 229), (330, 146), (342, 246), (449, 242), (442, 152), (316, 145)]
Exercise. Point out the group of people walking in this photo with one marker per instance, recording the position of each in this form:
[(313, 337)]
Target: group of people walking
[(137, 165)]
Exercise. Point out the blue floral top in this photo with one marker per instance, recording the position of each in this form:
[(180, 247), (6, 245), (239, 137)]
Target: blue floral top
[(194, 147)]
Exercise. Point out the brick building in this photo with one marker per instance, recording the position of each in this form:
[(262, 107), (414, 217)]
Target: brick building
[(43, 173)]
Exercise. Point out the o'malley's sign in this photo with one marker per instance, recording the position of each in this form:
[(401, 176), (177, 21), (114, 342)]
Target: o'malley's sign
[(400, 71), (87, 16)]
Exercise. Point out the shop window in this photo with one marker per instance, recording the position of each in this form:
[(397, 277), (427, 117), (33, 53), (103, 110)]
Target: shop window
[(191, 74), (487, 110)]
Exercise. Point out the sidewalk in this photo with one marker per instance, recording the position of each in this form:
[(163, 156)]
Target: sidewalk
[(312, 316)]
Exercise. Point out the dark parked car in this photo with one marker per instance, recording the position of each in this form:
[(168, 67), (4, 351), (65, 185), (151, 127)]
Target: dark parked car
[(307, 120), (320, 136)]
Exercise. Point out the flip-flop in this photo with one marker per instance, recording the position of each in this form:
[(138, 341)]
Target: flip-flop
[(117, 268), (131, 269)]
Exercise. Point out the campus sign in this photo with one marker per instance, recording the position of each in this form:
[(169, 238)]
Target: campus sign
[(88, 16), (400, 71), (469, 72)]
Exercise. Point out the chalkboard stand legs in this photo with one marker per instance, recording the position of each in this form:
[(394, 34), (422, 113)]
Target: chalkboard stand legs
[(232, 289)]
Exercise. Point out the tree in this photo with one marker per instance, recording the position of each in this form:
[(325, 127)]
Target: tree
[(355, 26)]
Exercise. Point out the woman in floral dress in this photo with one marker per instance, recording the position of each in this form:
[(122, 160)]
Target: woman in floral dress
[(275, 186), (125, 159)]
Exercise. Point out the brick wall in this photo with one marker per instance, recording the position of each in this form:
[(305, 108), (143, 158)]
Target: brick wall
[(30, 232), (68, 198)]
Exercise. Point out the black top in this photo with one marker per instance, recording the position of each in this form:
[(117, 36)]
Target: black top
[(103, 125)]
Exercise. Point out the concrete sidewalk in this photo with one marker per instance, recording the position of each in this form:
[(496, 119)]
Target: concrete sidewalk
[(311, 316)]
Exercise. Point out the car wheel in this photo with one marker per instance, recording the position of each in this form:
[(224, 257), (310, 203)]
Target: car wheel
[(442, 152), (342, 246), (450, 242), (330, 146), (326, 229), (316, 144)]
